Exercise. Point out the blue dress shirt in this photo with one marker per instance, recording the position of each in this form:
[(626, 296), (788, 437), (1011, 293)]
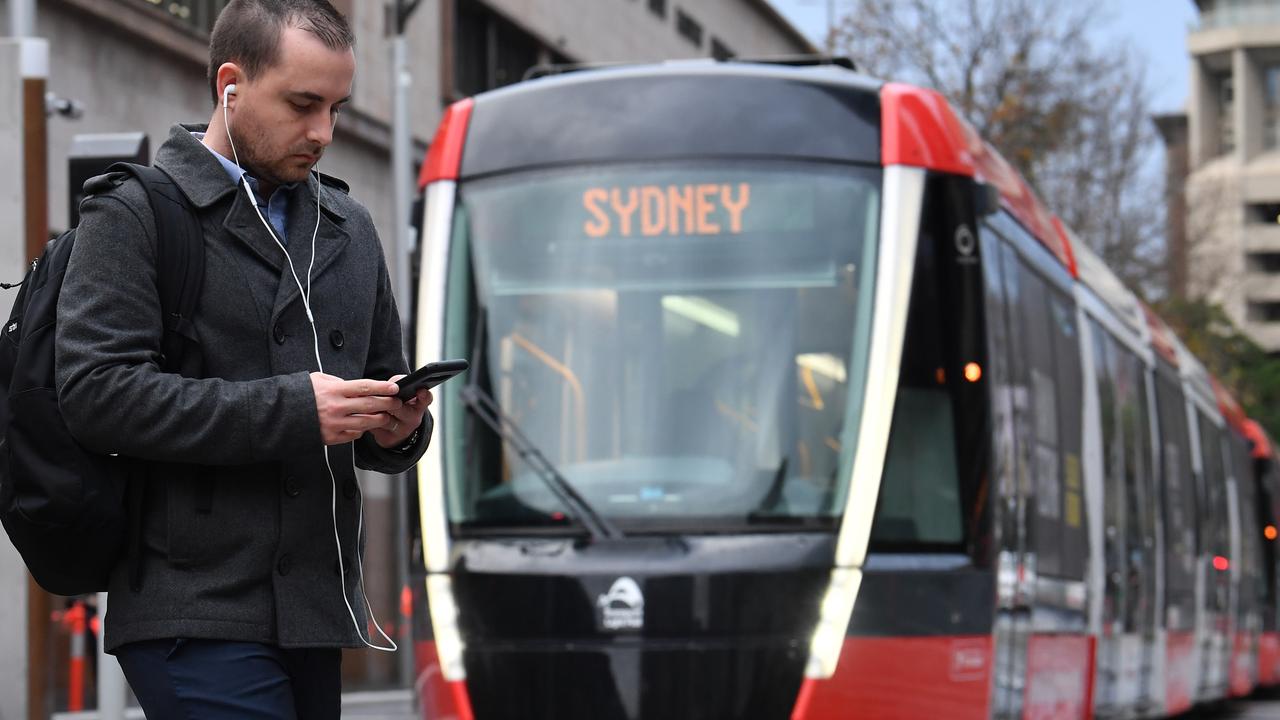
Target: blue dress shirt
[(276, 207)]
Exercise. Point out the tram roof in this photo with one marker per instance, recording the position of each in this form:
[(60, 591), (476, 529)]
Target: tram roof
[(620, 113), (1262, 448), (918, 127), (1098, 277), (1232, 410), (922, 129)]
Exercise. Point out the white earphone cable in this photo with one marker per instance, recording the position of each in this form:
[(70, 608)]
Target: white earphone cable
[(315, 337)]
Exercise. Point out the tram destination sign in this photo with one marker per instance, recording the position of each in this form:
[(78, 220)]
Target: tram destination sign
[(656, 210), (662, 229)]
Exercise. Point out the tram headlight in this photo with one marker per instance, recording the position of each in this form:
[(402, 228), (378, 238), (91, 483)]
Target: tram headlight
[(833, 623), (444, 621)]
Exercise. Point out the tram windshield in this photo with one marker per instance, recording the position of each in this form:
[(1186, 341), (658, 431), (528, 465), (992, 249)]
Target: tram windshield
[(684, 342)]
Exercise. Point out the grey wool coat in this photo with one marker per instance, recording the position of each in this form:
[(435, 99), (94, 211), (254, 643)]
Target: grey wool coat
[(238, 531)]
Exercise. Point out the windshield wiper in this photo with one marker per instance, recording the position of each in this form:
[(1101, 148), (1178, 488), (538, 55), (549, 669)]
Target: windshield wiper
[(505, 427), (487, 409)]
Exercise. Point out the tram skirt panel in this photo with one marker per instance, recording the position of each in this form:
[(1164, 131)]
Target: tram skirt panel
[(916, 678)]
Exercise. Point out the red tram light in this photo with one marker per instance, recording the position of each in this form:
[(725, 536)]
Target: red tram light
[(1220, 563)]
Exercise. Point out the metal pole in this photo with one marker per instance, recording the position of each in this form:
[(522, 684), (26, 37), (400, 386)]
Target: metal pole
[(111, 685), (22, 18), (402, 186), (402, 171)]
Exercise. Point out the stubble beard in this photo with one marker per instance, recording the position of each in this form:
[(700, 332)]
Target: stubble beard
[(264, 163)]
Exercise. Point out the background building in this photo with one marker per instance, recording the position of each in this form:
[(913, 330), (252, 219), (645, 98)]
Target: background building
[(139, 65), (1231, 224)]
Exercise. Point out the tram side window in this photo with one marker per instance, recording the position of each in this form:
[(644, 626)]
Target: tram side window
[(1252, 594), (1140, 521), (1113, 432), (1049, 356), (1179, 500), (919, 501), (1066, 355), (1215, 538), (1126, 453), (1215, 524)]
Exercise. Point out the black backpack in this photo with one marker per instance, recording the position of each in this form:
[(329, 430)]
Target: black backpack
[(65, 508)]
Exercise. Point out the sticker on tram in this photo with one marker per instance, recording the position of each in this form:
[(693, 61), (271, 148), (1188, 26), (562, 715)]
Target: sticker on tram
[(655, 210)]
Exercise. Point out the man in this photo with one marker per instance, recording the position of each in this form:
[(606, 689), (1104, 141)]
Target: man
[(249, 577)]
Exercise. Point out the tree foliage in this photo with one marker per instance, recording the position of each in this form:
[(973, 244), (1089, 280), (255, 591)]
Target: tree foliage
[(1071, 115), (1230, 356)]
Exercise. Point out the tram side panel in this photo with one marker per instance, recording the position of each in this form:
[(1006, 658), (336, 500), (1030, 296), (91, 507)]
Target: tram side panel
[(919, 643)]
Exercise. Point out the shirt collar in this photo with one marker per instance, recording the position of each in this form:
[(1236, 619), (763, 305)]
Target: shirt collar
[(234, 171)]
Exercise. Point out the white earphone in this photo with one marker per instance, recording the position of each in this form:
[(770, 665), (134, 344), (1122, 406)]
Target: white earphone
[(230, 89)]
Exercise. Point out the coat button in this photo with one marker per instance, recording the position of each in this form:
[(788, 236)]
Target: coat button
[(291, 486), (336, 339), (279, 333), (284, 564), (349, 490)]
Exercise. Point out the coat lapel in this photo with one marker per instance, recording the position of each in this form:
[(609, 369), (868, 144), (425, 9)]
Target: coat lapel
[(331, 240), (242, 223)]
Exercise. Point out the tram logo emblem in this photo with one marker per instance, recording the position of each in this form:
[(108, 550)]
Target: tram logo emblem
[(622, 608), (966, 243)]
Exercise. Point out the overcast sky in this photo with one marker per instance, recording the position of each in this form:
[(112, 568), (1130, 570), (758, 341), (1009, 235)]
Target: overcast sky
[(1157, 28)]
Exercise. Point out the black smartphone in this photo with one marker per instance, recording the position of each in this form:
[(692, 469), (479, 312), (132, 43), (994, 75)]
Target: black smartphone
[(429, 376)]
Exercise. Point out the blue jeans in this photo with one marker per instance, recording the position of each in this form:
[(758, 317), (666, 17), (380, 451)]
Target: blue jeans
[(215, 679)]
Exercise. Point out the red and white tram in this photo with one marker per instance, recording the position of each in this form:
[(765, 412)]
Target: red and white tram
[(789, 399)]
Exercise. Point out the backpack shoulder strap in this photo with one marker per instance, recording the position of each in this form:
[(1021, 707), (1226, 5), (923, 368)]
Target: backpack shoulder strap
[(179, 277), (179, 259)]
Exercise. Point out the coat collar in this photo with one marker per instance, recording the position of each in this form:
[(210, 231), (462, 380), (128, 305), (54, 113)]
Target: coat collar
[(204, 181)]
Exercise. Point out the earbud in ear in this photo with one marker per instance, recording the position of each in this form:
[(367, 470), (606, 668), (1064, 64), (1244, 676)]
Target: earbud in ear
[(230, 89)]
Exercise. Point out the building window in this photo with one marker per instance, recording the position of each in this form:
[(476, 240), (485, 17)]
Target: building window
[(688, 28), (658, 7), (720, 51), (1263, 312), (490, 52), (1268, 213), (1226, 114), (1271, 118), (1268, 263), (198, 14), (201, 14)]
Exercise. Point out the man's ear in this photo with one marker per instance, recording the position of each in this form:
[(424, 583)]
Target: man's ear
[(229, 73)]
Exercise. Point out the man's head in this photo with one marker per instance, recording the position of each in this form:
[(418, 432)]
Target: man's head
[(292, 64)]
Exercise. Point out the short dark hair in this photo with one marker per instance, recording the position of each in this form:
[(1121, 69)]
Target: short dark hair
[(248, 33)]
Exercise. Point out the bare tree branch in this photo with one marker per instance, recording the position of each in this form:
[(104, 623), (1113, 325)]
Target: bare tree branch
[(1069, 114)]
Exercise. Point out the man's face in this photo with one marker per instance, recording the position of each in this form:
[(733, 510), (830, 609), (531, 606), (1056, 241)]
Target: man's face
[(283, 119)]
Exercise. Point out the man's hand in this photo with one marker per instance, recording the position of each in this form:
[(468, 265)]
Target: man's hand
[(403, 420), (350, 408)]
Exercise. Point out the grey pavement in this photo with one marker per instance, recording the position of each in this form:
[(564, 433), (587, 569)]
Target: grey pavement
[(1262, 707)]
